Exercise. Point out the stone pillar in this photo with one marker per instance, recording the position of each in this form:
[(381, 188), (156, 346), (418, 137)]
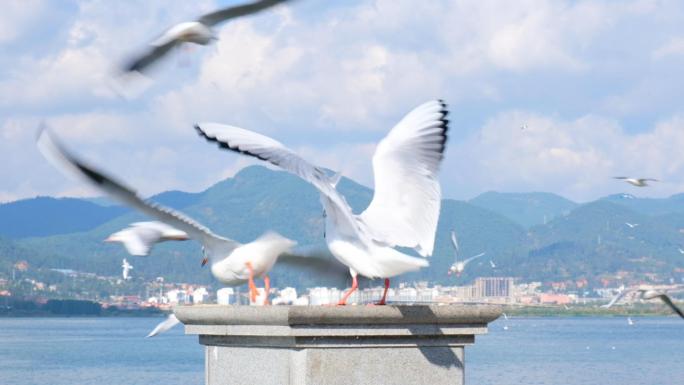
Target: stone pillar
[(346, 345)]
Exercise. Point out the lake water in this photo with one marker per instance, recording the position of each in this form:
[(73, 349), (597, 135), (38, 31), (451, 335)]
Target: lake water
[(531, 351)]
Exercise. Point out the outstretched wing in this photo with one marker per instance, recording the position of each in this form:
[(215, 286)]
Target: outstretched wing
[(63, 160), (454, 241), (613, 301), (150, 56), (216, 17), (405, 207), (165, 325), (262, 147), (472, 258), (668, 301)]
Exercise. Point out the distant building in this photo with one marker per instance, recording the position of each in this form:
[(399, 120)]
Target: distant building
[(225, 296), (493, 287), (200, 295)]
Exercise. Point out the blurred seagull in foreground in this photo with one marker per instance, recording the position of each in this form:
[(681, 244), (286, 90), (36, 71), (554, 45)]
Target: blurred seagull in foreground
[(139, 237), (640, 182), (405, 206), (232, 263), (458, 266), (647, 294), (631, 225), (164, 326), (198, 32)]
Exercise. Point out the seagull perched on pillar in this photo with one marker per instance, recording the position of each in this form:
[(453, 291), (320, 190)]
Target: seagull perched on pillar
[(638, 182), (405, 206), (198, 32)]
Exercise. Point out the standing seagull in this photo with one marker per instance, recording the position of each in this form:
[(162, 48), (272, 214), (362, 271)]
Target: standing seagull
[(232, 263), (638, 182), (198, 32), (405, 206), (126, 269), (139, 237), (458, 266)]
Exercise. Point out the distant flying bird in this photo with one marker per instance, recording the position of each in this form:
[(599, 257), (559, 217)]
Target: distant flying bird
[(198, 32), (164, 326), (458, 266), (638, 182), (629, 321), (139, 237), (405, 206), (492, 264), (681, 251), (524, 126), (126, 269), (454, 240), (631, 225), (232, 263), (647, 294)]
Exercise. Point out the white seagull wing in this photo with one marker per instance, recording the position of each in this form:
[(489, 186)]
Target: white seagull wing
[(472, 258), (405, 207), (63, 160), (216, 17), (165, 325), (615, 299), (454, 240), (267, 149)]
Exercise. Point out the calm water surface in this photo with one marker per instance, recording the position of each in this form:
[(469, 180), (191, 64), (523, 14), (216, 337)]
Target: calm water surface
[(567, 351)]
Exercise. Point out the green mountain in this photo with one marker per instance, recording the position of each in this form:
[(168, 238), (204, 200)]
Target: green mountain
[(578, 241), (527, 209)]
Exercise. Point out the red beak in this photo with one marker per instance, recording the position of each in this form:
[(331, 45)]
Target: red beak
[(204, 261)]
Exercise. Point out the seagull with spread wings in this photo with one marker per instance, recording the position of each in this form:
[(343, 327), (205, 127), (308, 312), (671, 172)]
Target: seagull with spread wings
[(199, 31), (458, 266), (139, 237), (405, 206), (231, 263), (638, 182), (647, 294)]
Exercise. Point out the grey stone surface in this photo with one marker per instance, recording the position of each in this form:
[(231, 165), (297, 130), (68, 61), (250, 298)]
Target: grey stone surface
[(316, 345)]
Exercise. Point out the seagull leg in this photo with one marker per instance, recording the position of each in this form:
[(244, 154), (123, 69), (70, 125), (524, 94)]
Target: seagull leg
[(384, 293), (355, 285), (267, 289), (250, 283)]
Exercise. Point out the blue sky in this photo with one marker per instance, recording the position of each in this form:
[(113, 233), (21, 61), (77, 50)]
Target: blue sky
[(598, 85)]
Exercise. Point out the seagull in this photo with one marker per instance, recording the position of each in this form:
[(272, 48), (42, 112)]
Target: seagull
[(638, 182), (164, 326), (198, 32), (631, 225), (681, 251), (232, 263), (458, 266), (524, 126), (139, 237), (492, 264), (405, 206), (629, 321), (647, 294), (126, 269)]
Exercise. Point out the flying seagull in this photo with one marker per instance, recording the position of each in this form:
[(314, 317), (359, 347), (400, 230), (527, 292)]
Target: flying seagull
[(164, 326), (492, 264), (647, 294), (126, 269), (139, 237), (405, 206), (232, 263), (681, 251), (631, 225), (629, 321), (199, 31), (458, 266), (638, 182)]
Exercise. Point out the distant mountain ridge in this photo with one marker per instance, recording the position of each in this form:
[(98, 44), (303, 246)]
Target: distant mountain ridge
[(578, 240)]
